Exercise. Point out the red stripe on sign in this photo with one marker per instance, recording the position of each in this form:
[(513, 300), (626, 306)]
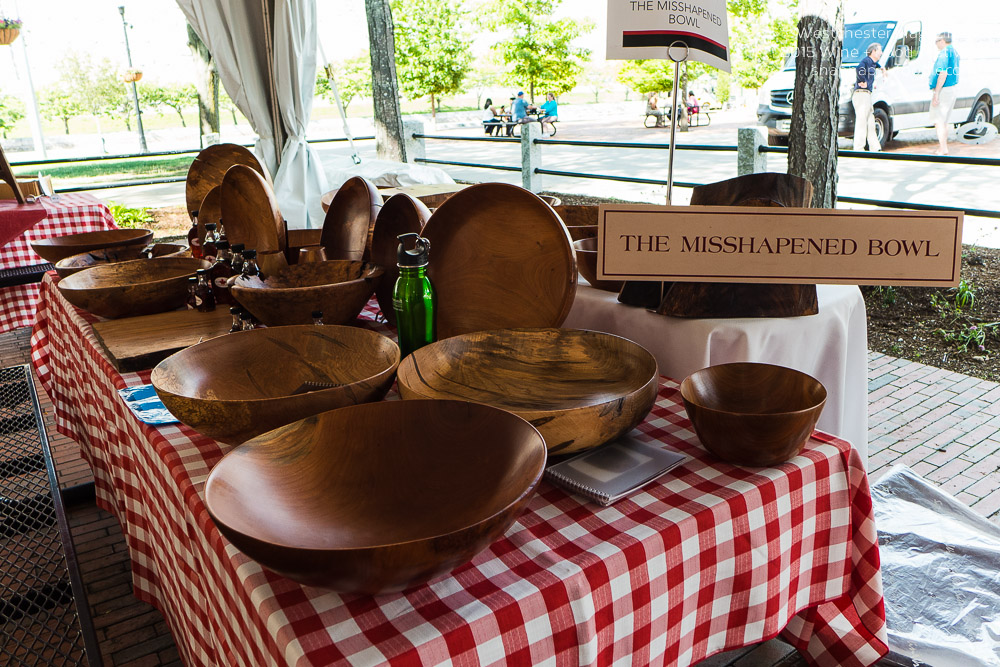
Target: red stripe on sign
[(673, 32)]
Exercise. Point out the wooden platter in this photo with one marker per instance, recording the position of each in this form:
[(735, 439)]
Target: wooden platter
[(210, 166), (580, 389), (401, 214), (350, 220), (500, 257), (250, 211), (138, 343)]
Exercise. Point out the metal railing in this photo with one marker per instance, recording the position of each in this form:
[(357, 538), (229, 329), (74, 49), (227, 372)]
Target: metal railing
[(940, 159)]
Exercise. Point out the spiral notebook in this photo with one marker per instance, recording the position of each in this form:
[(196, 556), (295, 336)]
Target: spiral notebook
[(611, 472)]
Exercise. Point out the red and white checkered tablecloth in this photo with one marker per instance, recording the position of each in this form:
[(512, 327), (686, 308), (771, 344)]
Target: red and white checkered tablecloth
[(710, 557), (71, 213)]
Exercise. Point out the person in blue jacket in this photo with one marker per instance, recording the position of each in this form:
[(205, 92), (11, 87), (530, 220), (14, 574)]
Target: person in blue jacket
[(944, 84)]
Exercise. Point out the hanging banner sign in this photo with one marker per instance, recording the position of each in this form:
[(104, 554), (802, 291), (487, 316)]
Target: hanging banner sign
[(644, 29), (779, 245)]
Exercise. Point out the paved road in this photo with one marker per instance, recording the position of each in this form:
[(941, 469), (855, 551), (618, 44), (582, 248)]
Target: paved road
[(935, 184)]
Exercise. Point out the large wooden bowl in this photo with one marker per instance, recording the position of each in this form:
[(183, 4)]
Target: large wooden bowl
[(250, 211), (339, 288), (85, 260), (753, 414), (350, 221), (377, 498), (586, 260), (235, 387), (580, 389), (138, 287), (401, 214), (499, 258), (210, 166), (55, 248)]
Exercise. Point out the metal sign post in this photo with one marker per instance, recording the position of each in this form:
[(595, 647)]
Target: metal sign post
[(673, 111)]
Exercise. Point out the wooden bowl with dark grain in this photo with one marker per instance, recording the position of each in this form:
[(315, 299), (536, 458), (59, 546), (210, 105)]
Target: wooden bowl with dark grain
[(339, 288), (56, 248), (586, 261), (85, 260), (137, 287), (235, 387), (580, 388), (377, 498), (753, 414), (350, 220)]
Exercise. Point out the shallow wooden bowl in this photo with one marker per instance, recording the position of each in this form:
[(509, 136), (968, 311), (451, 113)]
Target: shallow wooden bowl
[(339, 288), (350, 221), (85, 260), (401, 214), (250, 211), (577, 232), (586, 261), (753, 414), (499, 258), (138, 287), (377, 498), (55, 248), (579, 388), (209, 168), (235, 387), (577, 215)]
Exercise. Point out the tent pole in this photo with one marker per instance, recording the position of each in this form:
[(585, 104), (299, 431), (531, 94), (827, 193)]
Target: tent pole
[(328, 68)]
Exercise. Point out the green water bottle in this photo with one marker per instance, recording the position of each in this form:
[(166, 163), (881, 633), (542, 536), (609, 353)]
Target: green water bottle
[(413, 295)]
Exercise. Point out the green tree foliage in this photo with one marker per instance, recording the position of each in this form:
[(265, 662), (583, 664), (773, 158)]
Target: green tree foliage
[(761, 34), (226, 102), (11, 111), (657, 76), (176, 96), (539, 51), (432, 49), (95, 87), (353, 77), (58, 103)]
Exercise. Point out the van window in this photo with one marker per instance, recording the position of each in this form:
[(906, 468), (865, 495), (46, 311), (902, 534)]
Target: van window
[(907, 47), (859, 36)]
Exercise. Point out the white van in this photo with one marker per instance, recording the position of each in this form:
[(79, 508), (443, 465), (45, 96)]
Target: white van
[(902, 95)]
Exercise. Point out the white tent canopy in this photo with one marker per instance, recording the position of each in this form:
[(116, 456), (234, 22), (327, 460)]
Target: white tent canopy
[(265, 54)]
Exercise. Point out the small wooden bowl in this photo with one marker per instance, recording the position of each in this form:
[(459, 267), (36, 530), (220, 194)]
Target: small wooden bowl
[(577, 232), (235, 387), (580, 389), (377, 498), (55, 248), (138, 287), (85, 260), (753, 414), (348, 225), (586, 261), (339, 288), (574, 215)]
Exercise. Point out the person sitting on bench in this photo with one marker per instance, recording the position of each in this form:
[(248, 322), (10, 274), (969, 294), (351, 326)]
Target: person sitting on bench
[(519, 113), (692, 103), (652, 109), (490, 121), (550, 112)]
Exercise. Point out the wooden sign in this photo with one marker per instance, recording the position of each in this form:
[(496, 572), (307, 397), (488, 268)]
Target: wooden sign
[(644, 29), (8, 177), (779, 245)]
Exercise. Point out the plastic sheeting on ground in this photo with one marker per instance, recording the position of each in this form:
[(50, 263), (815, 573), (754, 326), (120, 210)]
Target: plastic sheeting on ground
[(940, 573)]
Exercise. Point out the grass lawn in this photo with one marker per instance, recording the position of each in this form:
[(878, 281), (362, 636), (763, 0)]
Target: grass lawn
[(75, 174)]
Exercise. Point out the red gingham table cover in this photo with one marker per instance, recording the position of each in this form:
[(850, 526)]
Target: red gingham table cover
[(71, 213), (710, 557)]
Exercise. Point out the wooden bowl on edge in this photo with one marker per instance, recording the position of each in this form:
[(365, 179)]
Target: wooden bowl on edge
[(377, 498), (586, 261), (400, 214), (56, 248), (580, 388), (753, 414), (137, 287), (235, 387)]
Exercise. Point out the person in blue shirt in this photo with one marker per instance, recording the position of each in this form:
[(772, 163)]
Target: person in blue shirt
[(550, 111), (944, 83), (861, 98), (519, 110)]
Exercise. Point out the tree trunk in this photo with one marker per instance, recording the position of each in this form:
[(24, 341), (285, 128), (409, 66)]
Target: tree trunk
[(207, 83), (180, 113), (65, 121), (385, 88), (812, 140), (433, 109)]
